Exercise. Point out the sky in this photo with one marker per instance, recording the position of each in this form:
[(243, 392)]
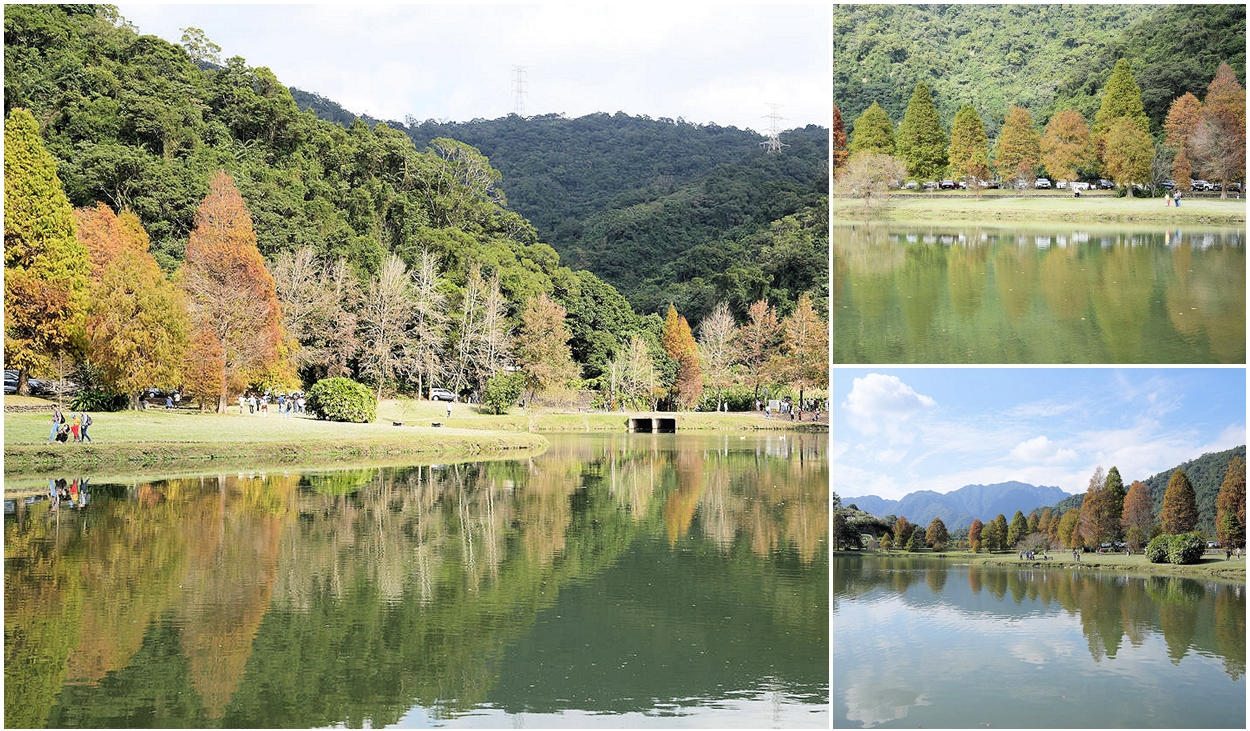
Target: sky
[(706, 64), (896, 431)]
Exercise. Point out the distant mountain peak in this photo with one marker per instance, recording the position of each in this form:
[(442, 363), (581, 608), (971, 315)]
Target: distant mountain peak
[(958, 508)]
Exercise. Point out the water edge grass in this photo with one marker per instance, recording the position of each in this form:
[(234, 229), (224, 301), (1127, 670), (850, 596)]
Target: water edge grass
[(1043, 208), (1211, 566)]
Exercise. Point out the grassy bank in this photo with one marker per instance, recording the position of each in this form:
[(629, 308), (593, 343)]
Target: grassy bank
[(178, 438), (1041, 208), (1211, 566)]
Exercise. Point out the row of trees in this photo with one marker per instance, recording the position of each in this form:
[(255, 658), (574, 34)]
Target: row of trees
[(81, 283), (1206, 138)]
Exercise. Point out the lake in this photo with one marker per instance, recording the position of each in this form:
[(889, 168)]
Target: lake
[(919, 643), (967, 293), (619, 580)]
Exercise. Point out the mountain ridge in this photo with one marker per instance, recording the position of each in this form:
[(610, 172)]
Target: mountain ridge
[(958, 508)]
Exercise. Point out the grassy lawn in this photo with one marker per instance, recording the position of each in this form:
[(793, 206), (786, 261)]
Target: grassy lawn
[(157, 437), (1057, 207), (1211, 566)]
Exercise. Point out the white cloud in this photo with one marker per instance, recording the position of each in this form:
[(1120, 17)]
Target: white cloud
[(878, 400), (1041, 449)]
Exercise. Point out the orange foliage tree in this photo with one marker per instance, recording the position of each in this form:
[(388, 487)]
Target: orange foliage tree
[(236, 321), (679, 343)]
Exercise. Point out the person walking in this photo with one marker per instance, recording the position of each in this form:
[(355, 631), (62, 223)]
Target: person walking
[(251, 403), (1167, 198), (74, 423), (1177, 199), (57, 418), (86, 422)]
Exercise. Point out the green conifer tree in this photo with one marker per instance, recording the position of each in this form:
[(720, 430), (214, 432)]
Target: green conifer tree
[(921, 140), (873, 132), (1121, 98), (969, 150), (1115, 486), (1018, 530), (45, 266)]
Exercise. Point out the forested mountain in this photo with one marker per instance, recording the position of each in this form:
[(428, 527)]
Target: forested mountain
[(1205, 473), (664, 210), (958, 508), (1042, 57), (142, 126)]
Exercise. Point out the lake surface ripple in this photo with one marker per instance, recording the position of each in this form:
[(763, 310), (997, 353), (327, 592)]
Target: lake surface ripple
[(920, 643)]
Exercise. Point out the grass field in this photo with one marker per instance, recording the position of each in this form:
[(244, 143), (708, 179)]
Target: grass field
[(183, 437), (1046, 208), (1211, 566)]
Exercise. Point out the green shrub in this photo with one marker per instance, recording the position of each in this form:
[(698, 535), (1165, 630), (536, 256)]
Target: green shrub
[(97, 400), (1185, 548), (502, 392), (342, 399), (1157, 549)]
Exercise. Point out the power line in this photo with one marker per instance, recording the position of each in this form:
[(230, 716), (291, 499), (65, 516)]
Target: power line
[(773, 143)]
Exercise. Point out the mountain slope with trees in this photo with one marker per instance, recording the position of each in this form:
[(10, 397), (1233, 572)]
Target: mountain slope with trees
[(958, 508)]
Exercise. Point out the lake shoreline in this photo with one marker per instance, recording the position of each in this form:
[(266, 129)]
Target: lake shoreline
[(1047, 209), (1135, 565)]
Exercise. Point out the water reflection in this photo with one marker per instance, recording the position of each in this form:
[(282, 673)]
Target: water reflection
[(968, 293), (352, 597)]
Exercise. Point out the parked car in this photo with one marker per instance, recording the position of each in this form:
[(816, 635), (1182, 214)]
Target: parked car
[(1062, 185), (931, 185), (1042, 183), (1212, 544), (947, 185), (441, 394), (963, 185), (912, 185), (1168, 184), (1200, 185), (10, 384), (1234, 187), (1216, 187), (1104, 184), (1079, 185)]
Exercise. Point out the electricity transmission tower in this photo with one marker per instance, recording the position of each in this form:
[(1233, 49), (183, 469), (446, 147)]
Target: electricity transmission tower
[(773, 143), (518, 90)]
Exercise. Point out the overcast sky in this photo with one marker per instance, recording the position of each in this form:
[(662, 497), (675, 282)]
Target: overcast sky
[(706, 64), (896, 431)]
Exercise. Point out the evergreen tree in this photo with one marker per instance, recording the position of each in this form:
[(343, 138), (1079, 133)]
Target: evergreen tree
[(1066, 145), (1115, 486), (913, 544), (1018, 150), (921, 141), (1121, 99), (991, 537), (1034, 520), (1180, 506), (969, 148), (1230, 505), (1001, 530), (45, 266), (837, 140), (838, 528), (937, 537), (1129, 153), (1018, 530), (873, 132)]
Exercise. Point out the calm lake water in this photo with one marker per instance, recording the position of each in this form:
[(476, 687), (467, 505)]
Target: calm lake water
[(918, 643), (625, 580), (964, 293)]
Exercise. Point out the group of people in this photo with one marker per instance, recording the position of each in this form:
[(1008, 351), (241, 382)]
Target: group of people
[(1169, 197), (1032, 555), (287, 404), (74, 493), (75, 427), (1228, 552), (812, 406)]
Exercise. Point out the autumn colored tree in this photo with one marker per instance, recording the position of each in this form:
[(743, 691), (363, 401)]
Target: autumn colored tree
[(921, 141), (235, 317), (1018, 150), (1121, 100), (1100, 514), (974, 535), (869, 176), (806, 347), (1182, 170), (1032, 522), (756, 341), (1230, 505), (902, 530), (679, 344), (1115, 486), (542, 346), (1180, 506), (874, 132), (937, 537), (837, 138), (136, 323), (1066, 145), (1183, 117), (969, 149), (45, 265), (1018, 529), (1128, 153), (1070, 528), (1219, 141), (717, 333), (1139, 509)]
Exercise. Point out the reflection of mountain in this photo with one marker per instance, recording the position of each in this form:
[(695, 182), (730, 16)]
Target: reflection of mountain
[(967, 293), (1191, 616), (958, 508), (346, 598)]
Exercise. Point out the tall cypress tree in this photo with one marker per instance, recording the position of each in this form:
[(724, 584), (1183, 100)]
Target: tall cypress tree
[(1180, 505), (1121, 98), (1115, 486), (837, 139), (1019, 146), (1230, 505), (921, 141), (969, 152), (873, 131), (45, 266)]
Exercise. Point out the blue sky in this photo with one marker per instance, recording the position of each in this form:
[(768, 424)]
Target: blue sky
[(706, 63), (898, 430)]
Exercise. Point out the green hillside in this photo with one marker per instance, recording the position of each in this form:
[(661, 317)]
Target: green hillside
[(1042, 57), (1205, 473)]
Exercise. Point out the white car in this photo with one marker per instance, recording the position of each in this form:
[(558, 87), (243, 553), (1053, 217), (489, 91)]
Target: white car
[(1042, 183)]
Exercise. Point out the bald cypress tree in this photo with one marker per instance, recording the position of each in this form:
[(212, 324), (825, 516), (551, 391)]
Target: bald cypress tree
[(1230, 505), (968, 154), (1019, 147), (873, 132), (837, 138), (921, 141), (1121, 98), (1180, 506), (45, 266)]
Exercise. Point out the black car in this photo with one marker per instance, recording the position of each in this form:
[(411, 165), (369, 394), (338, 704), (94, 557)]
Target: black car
[(948, 185)]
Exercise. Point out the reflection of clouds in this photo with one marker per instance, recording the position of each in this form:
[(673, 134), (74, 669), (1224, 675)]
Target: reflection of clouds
[(873, 702), (1038, 651)]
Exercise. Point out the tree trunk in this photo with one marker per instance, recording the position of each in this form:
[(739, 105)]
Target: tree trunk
[(23, 382)]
